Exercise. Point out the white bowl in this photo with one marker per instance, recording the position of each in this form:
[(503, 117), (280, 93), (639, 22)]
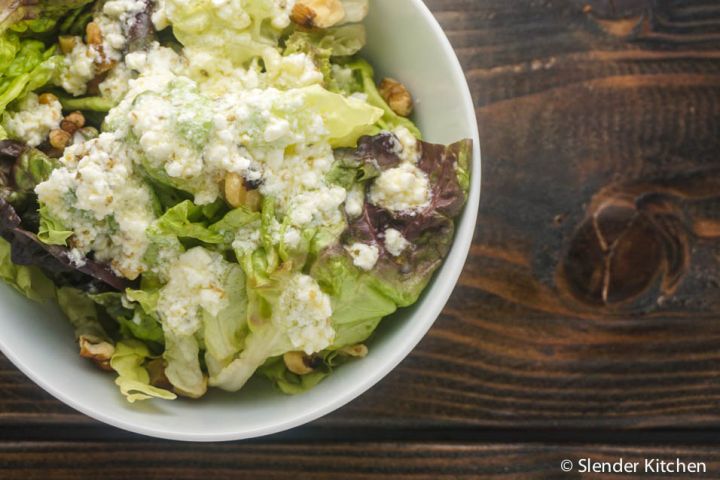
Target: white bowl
[(405, 42)]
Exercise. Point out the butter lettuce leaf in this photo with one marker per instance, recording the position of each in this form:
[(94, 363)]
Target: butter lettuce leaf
[(183, 364), (224, 333), (346, 119), (365, 76), (185, 220), (133, 378), (52, 231), (358, 306), (82, 312)]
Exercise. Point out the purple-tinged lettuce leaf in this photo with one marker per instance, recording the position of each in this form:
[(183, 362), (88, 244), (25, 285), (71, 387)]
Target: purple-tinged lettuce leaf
[(54, 260), (429, 231)]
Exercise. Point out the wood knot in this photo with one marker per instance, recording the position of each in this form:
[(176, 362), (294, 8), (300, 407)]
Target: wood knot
[(628, 252), (619, 18)]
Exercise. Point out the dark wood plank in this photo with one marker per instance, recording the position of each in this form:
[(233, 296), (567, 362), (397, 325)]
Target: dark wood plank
[(417, 461), (589, 110)]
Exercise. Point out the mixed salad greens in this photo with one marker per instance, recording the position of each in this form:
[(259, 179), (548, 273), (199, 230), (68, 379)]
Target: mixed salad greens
[(214, 189)]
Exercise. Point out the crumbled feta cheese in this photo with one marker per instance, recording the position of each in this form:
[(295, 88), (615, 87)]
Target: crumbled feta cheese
[(355, 202), (159, 16), (78, 69), (304, 312), (395, 243), (292, 71), (402, 189), (247, 239), (97, 194), (410, 151), (77, 258), (195, 285), (318, 207), (32, 121), (115, 21), (364, 256), (116, 84)]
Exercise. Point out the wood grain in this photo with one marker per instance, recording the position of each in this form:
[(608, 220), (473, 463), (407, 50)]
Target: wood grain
[(591, 298), (319, 461)]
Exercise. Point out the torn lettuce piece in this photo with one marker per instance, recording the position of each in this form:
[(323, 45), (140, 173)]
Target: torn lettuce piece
[(364, 77), (185, 220), (36, 16), (322, 45), (52, 232), (225, 332), (238, 31), (289, 383), (29, 281), (133, 378), (357, 305), (81, 310), (346, 119), (21, 170), (430, 231), (286, 312), (55, 261), (30, 70), (132, 320), (183, 365)]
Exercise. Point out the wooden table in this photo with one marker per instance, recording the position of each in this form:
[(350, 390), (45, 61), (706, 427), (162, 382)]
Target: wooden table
[(587, 322)]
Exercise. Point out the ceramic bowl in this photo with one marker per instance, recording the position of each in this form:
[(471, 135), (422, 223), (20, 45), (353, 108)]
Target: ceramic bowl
[(405, 42)]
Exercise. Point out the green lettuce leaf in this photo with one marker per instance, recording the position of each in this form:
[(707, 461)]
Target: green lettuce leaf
[(183, 365), (185, 220), (390, 120), (51, 230), (358, 306), (289, 383), (133, 378), (29, 281), (23, 169), (232, 222), (137, 322), (246, 33), (26, 75), (93, 104), (36, 16), (82, 312), (346, 119), (224, 333)]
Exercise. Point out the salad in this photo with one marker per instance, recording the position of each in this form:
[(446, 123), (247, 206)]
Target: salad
[(213, 190)]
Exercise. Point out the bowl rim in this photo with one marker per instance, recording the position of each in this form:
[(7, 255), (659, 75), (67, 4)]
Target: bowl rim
[(461, 243)]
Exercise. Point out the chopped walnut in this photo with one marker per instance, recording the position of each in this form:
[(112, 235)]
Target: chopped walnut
[(397, 97)]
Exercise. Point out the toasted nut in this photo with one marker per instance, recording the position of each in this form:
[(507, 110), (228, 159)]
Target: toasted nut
[(97, 350), (68, 127), (317, 13), (47, 99), (59, 138), (67, 43), (297, 362), (73, 122), (238, 195), (359, 350), (156, 370), (397, 96), (93, 34), (104, 67)]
